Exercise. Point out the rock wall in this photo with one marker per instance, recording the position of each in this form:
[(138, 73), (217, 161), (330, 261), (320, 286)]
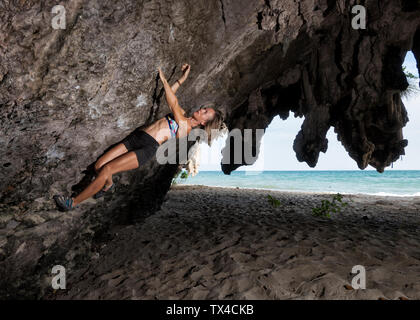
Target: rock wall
[(66, 95)]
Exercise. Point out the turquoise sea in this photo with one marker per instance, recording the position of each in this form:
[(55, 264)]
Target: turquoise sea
[(392, 182)]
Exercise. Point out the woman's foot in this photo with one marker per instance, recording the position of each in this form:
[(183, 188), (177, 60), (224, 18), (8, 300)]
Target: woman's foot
[(101, 193), (64, 203)]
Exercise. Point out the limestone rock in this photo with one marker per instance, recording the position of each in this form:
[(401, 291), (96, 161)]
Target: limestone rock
[(66, 95)]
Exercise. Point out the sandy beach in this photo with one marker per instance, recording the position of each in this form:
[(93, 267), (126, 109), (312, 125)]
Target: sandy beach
[(230, 243)]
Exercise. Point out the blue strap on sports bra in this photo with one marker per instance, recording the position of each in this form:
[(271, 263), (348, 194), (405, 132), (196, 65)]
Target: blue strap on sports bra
[(173, 126)]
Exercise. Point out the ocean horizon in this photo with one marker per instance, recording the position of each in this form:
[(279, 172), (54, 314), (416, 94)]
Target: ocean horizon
[(389, 183)]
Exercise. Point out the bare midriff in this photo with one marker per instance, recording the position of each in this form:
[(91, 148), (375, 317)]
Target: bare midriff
[(159, 130)]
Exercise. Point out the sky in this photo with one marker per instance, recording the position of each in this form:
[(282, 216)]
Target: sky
[(277, 152)]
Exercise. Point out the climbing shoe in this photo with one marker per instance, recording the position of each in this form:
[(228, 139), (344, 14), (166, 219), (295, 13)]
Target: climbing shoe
[(63, 203)]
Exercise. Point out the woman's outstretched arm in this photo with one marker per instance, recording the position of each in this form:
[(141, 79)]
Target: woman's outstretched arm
[(172, 100)]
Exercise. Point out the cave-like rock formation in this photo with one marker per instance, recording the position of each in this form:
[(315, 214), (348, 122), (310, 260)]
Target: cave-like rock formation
[(68, 94)]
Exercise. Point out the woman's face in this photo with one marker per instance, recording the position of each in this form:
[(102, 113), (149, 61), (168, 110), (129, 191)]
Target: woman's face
[(204, 114)]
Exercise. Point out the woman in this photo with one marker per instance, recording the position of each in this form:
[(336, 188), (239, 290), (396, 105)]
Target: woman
[(139, 146)]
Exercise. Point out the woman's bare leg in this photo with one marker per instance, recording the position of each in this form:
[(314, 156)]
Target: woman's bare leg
[(125, 162), (110, 155)]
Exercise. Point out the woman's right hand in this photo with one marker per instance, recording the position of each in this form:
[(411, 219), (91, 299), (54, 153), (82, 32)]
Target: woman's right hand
[(185, 71)]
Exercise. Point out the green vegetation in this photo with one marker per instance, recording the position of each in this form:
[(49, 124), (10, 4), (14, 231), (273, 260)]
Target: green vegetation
[(327, 207), (408, 74), (412, 88), (182, 174), (273, 201)]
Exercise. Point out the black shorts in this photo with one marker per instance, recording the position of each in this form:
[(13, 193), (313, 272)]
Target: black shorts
[(142, 143)]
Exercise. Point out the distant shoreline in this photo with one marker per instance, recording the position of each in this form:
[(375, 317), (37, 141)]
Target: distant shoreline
[(315, 170), (398, 183), (302, 192)]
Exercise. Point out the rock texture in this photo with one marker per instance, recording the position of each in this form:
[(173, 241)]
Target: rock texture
[(67, 95)]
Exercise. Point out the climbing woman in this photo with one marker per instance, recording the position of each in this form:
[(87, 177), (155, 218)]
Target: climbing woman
[(141, 145)]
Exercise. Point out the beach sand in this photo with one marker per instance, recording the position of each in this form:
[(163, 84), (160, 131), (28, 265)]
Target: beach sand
[(230, 243)]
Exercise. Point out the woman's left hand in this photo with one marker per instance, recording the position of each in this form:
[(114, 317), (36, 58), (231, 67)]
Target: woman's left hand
[(161, 75)]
